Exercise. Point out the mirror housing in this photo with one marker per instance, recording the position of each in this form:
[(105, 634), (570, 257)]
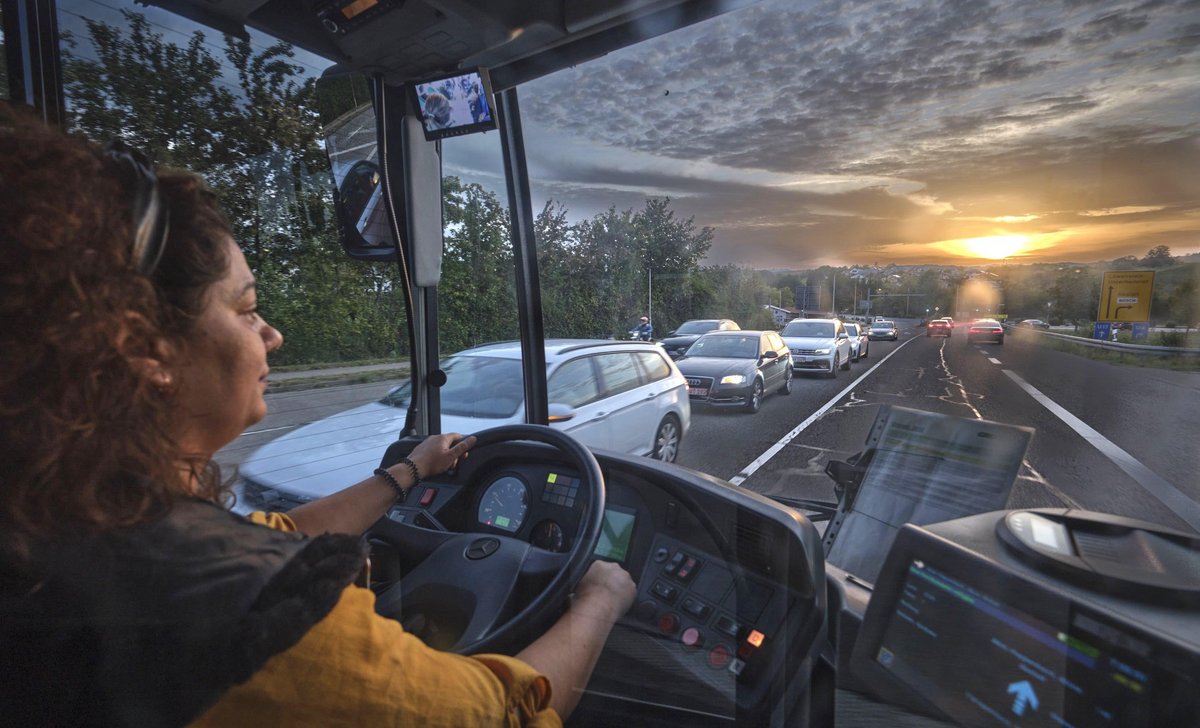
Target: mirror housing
[(561, 412)]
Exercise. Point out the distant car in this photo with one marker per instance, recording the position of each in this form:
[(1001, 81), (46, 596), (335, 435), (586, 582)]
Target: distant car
[(818, 345), (883, 330), (619, 395), (985, 330), (939, 327), (736, 368), (860, 343), (1033, 324), (678, 341)]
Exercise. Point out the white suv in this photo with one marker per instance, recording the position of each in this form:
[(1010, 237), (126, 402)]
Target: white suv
[(626, 396), (818, 345)]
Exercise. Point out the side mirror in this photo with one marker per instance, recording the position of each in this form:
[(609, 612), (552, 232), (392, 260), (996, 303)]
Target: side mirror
[(770, 355), (843, 335), (561, 412)]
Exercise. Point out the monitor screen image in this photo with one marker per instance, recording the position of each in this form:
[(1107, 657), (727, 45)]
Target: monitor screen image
[(454, 105)]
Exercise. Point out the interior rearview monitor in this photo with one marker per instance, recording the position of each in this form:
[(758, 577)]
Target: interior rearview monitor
[(455, 104)]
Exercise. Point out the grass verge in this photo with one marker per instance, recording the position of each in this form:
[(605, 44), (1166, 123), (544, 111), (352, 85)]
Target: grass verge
[(336, 380), (1146, 361), (336, 364)]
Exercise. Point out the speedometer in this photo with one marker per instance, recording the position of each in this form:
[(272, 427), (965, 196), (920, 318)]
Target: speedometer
[(504, 503)]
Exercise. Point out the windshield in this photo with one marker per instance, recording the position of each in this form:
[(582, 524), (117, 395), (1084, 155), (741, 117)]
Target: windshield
[(696, 327), (814, 329), (956, 195), (726, 347)]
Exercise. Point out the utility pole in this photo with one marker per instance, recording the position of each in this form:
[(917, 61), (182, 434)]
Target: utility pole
[(834, 304), (650, 295)]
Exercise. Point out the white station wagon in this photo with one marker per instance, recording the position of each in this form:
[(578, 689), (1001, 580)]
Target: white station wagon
[(626, 396)]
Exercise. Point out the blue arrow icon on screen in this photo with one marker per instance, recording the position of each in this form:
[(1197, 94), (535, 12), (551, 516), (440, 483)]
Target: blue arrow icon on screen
[(1023, 696)]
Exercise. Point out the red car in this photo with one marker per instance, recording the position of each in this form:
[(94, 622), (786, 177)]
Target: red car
[(985, 330), (939, 327)]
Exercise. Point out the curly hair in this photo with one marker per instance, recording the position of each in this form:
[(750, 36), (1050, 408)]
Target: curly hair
[(87, 438)]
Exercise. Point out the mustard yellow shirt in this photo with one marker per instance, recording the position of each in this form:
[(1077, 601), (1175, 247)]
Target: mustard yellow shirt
[(355, 668)]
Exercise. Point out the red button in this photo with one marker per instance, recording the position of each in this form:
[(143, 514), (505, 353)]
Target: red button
[(668, 623), (719, 656), (691, 638), (427, 496)]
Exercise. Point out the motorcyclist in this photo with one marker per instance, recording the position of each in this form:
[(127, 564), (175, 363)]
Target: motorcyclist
[(644, 330)]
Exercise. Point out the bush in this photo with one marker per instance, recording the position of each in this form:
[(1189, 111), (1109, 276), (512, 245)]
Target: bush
[(1172, 338)]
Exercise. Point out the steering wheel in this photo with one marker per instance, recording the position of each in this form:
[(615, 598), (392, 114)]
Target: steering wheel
[(473, 580)]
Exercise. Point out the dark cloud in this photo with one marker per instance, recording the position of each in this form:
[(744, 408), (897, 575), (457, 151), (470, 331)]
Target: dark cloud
[(938, 117)]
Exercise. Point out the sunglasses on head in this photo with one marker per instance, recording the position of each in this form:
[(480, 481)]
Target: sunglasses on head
[(150, 216)]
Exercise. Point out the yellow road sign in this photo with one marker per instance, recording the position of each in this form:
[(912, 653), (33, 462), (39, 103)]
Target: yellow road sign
[(1125, 296)]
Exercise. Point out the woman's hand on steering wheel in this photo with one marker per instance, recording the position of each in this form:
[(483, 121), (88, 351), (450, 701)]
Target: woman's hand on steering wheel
[(438, 453)]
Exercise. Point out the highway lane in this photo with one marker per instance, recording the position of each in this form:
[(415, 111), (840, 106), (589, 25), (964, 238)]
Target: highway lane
[(1150, 414)]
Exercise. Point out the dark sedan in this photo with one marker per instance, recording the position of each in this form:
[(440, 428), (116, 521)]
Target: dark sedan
[(678, 341), (883, 330), (1034, 324), (737, 368), (985, 330)]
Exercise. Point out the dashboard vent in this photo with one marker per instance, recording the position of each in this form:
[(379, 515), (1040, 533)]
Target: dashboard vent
[(752, 544)]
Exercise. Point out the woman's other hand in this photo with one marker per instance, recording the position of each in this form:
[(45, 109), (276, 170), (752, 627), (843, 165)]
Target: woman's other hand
[(438, 453), (607, 587)]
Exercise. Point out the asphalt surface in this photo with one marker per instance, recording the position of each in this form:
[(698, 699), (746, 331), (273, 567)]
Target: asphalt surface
[(1131, 451)]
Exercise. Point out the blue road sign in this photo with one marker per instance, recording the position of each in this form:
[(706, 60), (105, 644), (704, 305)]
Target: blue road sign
[(1141, 331), (1102, 331)]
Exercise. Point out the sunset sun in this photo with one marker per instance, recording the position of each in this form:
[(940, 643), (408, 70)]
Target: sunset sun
[(995, 247)]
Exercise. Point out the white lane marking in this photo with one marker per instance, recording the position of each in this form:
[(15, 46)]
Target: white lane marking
[(269, 429), (1168, 494), (994, 360), (772, 451)]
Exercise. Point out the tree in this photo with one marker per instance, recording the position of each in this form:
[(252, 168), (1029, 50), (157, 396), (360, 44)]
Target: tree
[(1158, 257), (1183, 304)]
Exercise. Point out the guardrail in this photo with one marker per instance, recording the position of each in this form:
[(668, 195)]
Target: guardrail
[(1144, 349)]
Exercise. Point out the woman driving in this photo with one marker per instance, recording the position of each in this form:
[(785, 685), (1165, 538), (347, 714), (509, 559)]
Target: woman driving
[(129, 595)]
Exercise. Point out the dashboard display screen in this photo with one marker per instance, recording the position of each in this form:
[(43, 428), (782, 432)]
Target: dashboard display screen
[(1083, 673), (615, 534)]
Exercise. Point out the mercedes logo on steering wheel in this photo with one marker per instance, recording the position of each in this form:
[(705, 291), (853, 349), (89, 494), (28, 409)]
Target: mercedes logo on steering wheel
[(482, 548)]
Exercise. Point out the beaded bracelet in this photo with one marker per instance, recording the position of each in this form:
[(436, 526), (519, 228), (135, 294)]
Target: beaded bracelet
[(395, 484)]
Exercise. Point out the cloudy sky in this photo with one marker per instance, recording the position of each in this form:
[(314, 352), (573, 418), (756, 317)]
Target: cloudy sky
[(907, 132)]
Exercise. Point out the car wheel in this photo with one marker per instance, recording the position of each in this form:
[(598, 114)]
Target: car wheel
[(756, 395), (787, 382), (865, 350), (666, 440), (1000, 341), (846, 365), (833, 367)]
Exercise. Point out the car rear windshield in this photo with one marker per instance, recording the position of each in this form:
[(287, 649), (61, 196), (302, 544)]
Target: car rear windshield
[(814, 329), (727, 347), (697, 327), (476, 386)]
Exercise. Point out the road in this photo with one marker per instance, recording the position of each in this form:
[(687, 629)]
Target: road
[(1108, 438)]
